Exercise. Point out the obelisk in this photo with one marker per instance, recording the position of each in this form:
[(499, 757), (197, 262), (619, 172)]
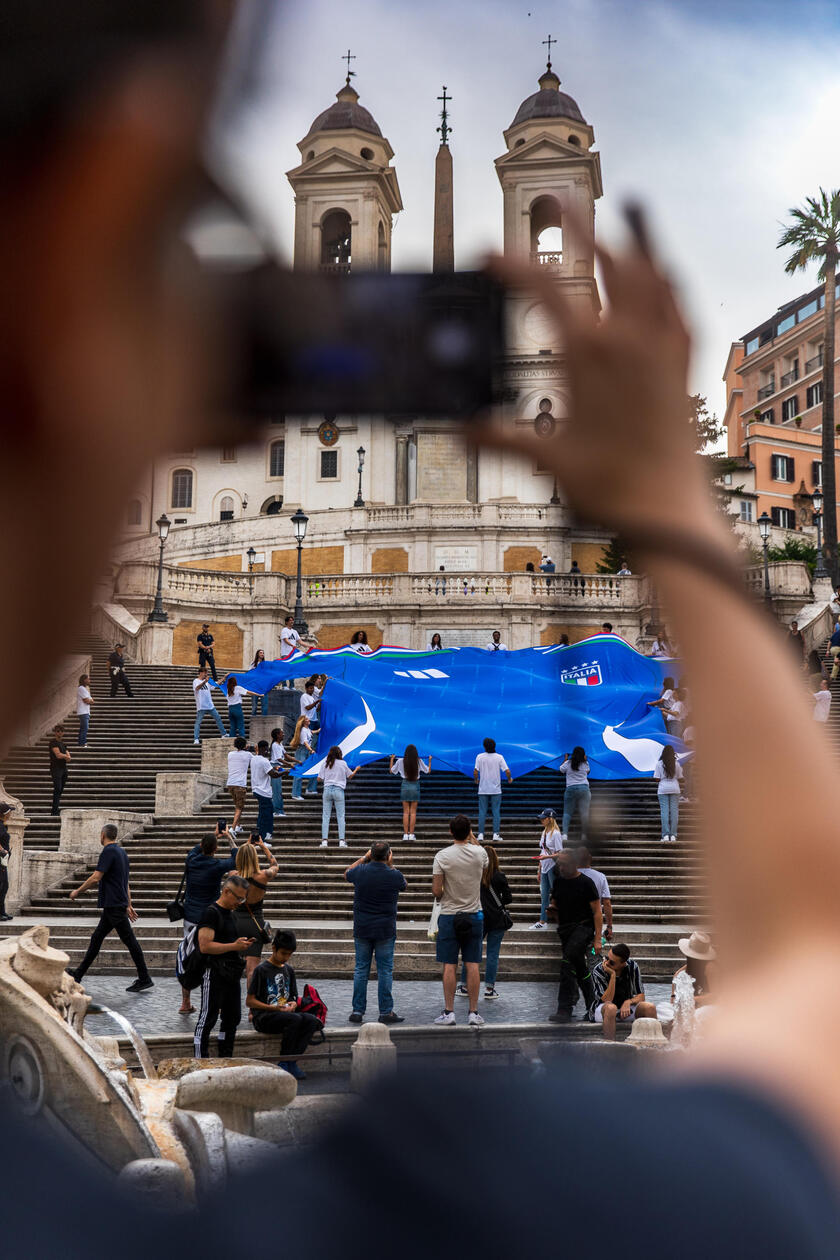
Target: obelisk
[(443, 250)]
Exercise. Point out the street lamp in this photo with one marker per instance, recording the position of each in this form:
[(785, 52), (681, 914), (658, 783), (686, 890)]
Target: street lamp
[(361, 454), (252, 555), (764, 526), (820, 571), (299, 523), (157, 613)]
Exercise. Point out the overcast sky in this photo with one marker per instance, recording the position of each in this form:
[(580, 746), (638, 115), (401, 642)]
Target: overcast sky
[(720, 116)]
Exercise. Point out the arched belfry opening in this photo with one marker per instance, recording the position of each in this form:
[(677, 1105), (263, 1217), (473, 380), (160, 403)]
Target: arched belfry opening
[(547, 230), (381, 248), (336, 242)]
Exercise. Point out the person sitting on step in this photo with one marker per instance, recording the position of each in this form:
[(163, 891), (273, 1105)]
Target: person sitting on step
[(273, 998), (619, 994)]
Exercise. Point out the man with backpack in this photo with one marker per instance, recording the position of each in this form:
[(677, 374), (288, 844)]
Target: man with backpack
[(273, 997), (203, 874), (216, 938)]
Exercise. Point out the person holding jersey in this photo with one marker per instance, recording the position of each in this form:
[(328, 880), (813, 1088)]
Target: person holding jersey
[(551, 842), (335, 776), (668, 774), (577, 796), (259, 704), (409, 767), (301, 746), (235, 694), (359, 642), (277, 757)]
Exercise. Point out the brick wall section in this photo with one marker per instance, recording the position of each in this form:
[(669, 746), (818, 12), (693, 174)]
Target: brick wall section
[(219, 564), (315, 561), (588, 555), (389, 560), (516, 558), (333, 636), (228, 645), (441, 468)]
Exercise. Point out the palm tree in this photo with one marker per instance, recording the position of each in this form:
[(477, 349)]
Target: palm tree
[(814, 236)]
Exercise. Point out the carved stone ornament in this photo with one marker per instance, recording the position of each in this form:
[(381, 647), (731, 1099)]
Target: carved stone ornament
[(328, 432)]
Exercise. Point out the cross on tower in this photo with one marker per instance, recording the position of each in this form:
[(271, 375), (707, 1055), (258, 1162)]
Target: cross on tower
[(549, 41), (348, 57), (444, 127)]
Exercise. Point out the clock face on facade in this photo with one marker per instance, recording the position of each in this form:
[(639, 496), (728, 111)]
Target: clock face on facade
[(328, 432), (544, 425)]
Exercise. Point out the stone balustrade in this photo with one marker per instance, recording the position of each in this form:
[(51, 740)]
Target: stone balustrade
[(541, 591), (787, 577)]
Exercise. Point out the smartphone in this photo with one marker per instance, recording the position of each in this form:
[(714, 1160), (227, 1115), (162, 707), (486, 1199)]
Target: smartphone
[(368, 343), (221, 825)]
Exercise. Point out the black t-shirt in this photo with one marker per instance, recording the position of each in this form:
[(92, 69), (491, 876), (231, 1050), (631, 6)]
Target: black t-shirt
[(113, 886), (272, 985), (205, 640), (572, 898), (116, 660), (228, 966), (57, 763), (5, 838)]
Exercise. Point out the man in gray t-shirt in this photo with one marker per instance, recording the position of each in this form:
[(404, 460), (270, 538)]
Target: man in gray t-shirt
[(456, 883)]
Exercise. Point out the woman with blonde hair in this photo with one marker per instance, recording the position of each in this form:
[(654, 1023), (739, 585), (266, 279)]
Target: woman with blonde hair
[(301, 745), (551, 842), (249, 917)]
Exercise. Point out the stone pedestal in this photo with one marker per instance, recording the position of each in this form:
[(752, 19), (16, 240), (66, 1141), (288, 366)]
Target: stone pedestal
[(81, 829), (181, 793), (154, 643), (214, 755), (823, 591), (372, 1055), (284, 711)]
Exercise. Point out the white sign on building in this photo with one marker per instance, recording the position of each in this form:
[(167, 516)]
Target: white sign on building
[(456, 559)]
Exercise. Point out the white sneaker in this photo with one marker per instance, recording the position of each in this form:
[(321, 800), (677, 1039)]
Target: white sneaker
[(539, 926), (673, 839), (405, 837), (267, 840), (475, 1019), (665, 840), (342, 844), (563, 838), (196, 742), (324, 844), (496, 837), (480, 836), (412, 838), (461, 991), (446, 1017)]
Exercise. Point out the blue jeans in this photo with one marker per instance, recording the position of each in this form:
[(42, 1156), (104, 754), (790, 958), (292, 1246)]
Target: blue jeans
[(265, 815), (546, 881), (299, 786), (669, 809), (333, 796), (383, 951), (237, 720), (492, 946), (576, 799), (277, 796), (84, 723), (259, 705), (200, 713), (495, 803)]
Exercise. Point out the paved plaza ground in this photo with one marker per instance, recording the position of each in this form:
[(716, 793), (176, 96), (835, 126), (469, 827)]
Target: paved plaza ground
[(419, 1001)]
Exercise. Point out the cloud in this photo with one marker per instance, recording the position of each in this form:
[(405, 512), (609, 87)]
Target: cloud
[(719, 116)]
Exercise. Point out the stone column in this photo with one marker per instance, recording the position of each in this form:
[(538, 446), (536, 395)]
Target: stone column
[(16, 822), (154, 643), (401, 488), (472, 473)]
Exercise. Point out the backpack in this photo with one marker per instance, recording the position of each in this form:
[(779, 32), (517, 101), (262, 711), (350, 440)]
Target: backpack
[(190, 963), (313, 1004)]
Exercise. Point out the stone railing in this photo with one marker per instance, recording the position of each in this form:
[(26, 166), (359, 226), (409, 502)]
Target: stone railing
[(787, 577), (200, 587), (425, 589), (445, 515)]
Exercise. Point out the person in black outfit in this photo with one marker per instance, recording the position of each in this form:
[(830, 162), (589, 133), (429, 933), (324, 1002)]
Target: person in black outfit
[(220, 994), (116, 668), (579, 924), (5, 850), (205, 643), (273, 997), (59, 757), (118, 914)]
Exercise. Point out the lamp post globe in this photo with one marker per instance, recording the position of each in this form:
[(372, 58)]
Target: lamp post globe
[(299, 523), (157, 614)]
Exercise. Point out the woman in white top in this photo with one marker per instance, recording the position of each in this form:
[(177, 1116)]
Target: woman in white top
[(665, 697), (301, 745), (577, 796), (360, 642), (259, 703), (551, 842), (435, 645), (409, 767), (83, 702), (668, 772), (822, 701), (676, 712), (277, 757), (234, 699), (336, 774)]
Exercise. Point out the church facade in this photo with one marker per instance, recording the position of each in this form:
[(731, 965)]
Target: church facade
[(407, 496)]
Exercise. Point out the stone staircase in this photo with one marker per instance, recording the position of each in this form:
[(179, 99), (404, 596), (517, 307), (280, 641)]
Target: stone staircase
[(657, 889)]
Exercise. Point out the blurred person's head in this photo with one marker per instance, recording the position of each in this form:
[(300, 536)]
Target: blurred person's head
[(209, 843), (460, 828), (566, 863)]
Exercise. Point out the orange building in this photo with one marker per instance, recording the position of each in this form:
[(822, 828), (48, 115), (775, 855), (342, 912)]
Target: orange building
[(773, 379)]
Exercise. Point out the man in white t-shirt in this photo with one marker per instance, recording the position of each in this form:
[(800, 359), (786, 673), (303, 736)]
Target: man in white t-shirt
[(495, 644), (83, 702), (599, 879), (456, 883), (261, 776), (289, 642), (310, 706), (239, 761), (489, 767), (204, 703), (822, 702)]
